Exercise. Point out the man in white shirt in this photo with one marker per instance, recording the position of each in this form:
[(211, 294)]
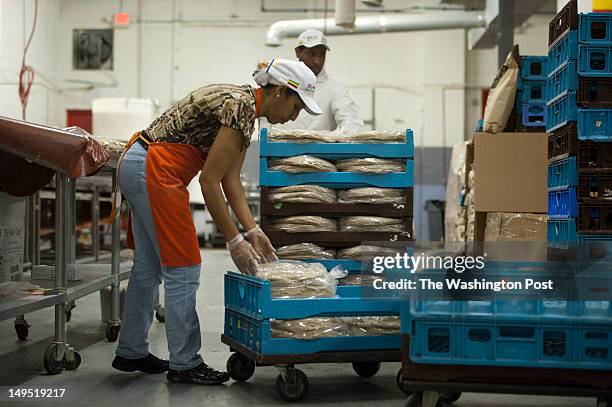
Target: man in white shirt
[(340, 112)]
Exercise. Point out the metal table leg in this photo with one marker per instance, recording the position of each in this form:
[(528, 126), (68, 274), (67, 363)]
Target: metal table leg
[(60, 355), (95, 223), (114, 325)]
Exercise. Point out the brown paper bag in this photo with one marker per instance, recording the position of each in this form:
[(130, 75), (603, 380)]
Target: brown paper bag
[(500, 102)]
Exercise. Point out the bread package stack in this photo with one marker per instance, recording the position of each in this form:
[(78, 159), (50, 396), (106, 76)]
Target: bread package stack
[(310, 328), (371, 165), (296, 279), (301, 164), (304, 251), (304, 223), (455, 213), (371, 224), (373, 195), (302, 194)]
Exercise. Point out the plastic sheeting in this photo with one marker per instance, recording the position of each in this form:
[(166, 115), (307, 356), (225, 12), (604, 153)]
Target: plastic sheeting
[(296, 279), (304, 251), (373, 195), (301, 164), (515, 226), (371, 165), (300, 224), (454, 212), (372, 224), (302, 194), (76, 155)]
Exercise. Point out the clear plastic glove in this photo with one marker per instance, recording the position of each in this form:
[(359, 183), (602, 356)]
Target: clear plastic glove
[(261, 244), (243, 255)]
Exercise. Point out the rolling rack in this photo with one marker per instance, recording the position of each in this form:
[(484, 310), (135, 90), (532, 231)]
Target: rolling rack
[(76, 156), (249, 306)]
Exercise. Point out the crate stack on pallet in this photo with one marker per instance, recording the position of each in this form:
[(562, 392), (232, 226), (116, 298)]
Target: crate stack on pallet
[(579, 94), (531, 94)]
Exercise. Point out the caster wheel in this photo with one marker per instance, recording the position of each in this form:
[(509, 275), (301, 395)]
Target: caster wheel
[(52, 365), (398, 381), (450, 397), (366, 369), (160, 317), (112, 333), (23, 331), (240, 368), (74, 364), (292, 390)]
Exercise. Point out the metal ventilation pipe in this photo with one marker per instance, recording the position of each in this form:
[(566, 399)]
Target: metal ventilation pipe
[(376, 24)]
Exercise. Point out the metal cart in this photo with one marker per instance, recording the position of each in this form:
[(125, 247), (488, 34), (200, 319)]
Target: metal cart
[(60, 355)]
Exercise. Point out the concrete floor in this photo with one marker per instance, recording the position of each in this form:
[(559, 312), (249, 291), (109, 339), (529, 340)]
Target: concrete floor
[(96, 383)]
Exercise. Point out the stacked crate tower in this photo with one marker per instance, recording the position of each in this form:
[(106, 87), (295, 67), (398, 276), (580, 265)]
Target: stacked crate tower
[(579, 110), (531, 94)]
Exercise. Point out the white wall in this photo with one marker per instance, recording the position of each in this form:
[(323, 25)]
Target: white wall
[(165, 60), (15, 24)]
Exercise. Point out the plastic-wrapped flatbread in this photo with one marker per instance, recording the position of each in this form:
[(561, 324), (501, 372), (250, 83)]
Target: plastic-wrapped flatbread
[(302, 194), (377, 136), (301, 164), (304, 251), (374, 326), (360, 279), (364, 252), (299, 224), (301, 136), (373, 195), (371, 224), (310, 328), (371, 165), (296, 279)]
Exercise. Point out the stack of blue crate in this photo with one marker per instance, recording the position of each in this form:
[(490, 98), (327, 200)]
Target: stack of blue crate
[(531, 93), (509, 330), (249, 306), (579, 93)]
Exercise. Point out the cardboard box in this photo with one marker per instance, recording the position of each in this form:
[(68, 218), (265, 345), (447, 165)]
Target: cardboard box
[(511, 172), (12, 237), (44, 272)]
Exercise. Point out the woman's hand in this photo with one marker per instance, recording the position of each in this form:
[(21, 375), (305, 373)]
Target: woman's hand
[(261, 244), (243, 255)]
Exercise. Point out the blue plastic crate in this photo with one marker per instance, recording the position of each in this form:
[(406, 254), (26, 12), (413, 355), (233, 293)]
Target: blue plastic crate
[(252, 296), (505, 343), (533, 114), (338, 180), (256, 335), (564, 78), (563, 174), (561, 110), (563, 203), (562, 230), (532, 91), (595, 61), (534, 67), (337, 150), (595, 124), (565, 49), (595, 28)]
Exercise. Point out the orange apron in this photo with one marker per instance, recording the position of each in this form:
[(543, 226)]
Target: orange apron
[(170, 168)]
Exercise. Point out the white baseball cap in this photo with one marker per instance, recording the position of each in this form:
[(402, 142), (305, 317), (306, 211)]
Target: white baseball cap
[(295, 75), (312, 38)]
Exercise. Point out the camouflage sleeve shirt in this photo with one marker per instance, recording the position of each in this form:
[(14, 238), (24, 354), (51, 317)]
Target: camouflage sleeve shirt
[(196, 118)]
